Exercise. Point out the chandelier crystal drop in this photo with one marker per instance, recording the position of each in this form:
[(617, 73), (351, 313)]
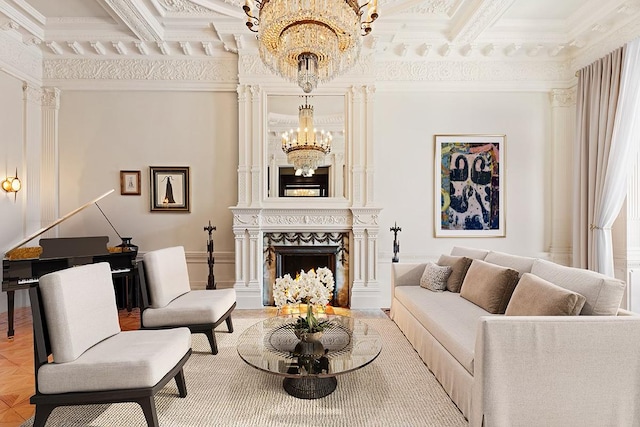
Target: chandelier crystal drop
[(307, 41), (306, 147)]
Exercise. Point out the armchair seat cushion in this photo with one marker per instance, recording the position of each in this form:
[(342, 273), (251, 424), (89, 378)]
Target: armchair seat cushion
[(127, 360), (193, 308)]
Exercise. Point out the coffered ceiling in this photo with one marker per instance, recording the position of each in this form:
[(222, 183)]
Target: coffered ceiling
[(573, 31)]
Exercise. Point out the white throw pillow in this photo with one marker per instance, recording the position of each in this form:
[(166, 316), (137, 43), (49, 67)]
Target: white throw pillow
[(435, 277)]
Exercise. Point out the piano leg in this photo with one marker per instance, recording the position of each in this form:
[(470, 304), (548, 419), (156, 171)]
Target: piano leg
[(10, 306)]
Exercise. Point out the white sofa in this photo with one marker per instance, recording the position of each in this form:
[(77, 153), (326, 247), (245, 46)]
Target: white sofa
[(526, 370)]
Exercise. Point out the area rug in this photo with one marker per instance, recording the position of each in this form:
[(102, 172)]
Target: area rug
[(397, 389)]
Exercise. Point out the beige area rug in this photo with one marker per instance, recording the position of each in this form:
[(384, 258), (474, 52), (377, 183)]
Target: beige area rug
[(396, 389)]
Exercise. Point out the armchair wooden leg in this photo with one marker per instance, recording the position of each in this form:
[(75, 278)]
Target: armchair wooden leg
[(42, 414), (182, 386), (229, 324), (212, 341), (149, 409)]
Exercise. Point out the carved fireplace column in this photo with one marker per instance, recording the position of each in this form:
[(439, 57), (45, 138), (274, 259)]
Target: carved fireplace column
[(365, 290), (248, 257)]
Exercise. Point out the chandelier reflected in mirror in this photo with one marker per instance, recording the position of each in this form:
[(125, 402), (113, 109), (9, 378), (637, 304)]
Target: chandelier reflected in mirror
[(307, 41), (306, 147)]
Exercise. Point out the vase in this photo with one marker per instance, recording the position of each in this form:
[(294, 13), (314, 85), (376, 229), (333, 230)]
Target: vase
[(307, 336)]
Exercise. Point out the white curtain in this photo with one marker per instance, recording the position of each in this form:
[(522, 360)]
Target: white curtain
[(607, 137)]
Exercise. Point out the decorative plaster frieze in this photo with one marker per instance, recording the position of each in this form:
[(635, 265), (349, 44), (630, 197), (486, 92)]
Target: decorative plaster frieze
[(184, 7), (199, 70), (250, 219), (19, 59), (563, 97), (302, 219), (432, 7), (452, 71), (365, 216)]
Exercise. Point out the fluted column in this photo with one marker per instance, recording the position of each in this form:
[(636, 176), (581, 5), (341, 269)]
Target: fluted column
[(365, 290), (248, 238), (563, 112), (244, 147), (258, 144), (369, 169)]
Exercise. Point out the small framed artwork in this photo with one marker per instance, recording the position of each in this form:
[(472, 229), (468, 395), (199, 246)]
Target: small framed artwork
[(169, 188), (469, 186), (130, 183)]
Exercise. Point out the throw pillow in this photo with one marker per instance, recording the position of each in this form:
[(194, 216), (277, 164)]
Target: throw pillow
[(489, 286), (537, 297), (459, 266), (435, 277)]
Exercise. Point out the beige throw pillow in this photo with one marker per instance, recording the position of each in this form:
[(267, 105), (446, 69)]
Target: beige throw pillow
[(435, 277), (459, 266), (489, 286), (537, 297)]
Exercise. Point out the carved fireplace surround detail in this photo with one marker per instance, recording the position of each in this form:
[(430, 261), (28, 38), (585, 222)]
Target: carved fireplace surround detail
[(361, 224)]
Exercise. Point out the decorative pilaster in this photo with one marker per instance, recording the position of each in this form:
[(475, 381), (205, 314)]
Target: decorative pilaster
[(50, 164), (32, 149), (563, 111), (369, 92), (247, 232), (244, 144), (258, 143), (365, 291)]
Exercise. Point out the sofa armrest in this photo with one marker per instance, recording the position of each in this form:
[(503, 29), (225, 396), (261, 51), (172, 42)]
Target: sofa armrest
[(556, 371), (406, 274)]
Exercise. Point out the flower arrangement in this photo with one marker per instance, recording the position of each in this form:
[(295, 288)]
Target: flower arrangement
[(314, 287)]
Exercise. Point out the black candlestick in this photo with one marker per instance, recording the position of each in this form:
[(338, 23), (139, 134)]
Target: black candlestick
[(211, 283), (396, 242)]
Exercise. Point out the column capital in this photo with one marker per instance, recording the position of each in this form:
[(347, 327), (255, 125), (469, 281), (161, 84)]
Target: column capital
[(32, 93), (563, 97)]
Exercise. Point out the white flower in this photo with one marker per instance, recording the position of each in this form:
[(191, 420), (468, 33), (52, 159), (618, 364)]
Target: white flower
[(311, 287)]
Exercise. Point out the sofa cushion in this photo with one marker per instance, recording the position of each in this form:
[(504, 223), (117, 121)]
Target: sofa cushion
[(521, 264), (603, 294), (459, 266), (452, 320), (535, 296), (472, 253), (489, 286), (80, 308), (435, 277)]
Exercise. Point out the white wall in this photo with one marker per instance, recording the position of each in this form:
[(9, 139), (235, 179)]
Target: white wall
[(104, 132), (11, 156), (404, 129)]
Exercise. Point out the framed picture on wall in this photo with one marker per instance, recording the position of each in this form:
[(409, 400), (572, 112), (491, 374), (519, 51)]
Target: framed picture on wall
[(469, 186), (130, 183), (169, 188)]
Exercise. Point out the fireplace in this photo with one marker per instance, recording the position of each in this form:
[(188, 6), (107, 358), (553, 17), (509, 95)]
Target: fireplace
[(288, 253)]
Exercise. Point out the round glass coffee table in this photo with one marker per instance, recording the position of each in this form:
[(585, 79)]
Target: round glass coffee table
[(309, 369)]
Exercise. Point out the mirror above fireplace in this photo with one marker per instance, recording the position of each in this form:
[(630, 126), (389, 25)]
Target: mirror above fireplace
[(284, 115)]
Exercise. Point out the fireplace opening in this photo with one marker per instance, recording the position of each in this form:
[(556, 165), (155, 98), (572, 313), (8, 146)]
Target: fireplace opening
[(291, 259)]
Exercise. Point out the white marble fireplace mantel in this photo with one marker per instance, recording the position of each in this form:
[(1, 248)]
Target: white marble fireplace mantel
[(250, 224)]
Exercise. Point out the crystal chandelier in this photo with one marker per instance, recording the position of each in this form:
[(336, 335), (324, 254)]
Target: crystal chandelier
[(306, 147), (307, 41)]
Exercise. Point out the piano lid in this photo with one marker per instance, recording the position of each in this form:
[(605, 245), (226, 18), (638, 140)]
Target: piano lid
[(58, 221)]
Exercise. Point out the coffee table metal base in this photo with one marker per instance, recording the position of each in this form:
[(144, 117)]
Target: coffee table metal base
[(310, 387)]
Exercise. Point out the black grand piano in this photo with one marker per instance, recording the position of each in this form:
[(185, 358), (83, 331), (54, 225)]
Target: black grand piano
[(23, 267)]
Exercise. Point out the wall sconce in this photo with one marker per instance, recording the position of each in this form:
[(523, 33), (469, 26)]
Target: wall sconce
[(12, 185)]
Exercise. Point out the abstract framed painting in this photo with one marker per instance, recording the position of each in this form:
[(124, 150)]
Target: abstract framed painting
[(169, 188), (469, 185)]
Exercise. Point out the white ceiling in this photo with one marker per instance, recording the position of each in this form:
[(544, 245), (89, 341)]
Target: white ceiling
[(406, 30)]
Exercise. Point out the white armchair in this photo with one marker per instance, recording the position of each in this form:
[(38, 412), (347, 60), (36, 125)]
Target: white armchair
[(169, 302), (75, 319)]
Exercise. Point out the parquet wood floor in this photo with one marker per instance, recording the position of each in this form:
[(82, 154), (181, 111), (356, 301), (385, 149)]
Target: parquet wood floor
[(16, 365)]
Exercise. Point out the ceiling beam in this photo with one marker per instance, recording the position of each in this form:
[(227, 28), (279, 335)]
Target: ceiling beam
[(135, 15), (467, 27)]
